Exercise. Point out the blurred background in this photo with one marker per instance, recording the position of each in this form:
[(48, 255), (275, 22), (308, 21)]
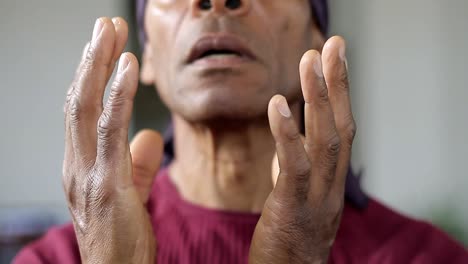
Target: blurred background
[(409, 75)]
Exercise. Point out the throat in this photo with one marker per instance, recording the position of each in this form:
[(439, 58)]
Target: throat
[(223, 170)]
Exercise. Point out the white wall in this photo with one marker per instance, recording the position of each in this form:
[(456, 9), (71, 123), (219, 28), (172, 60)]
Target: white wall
[(409, 66)]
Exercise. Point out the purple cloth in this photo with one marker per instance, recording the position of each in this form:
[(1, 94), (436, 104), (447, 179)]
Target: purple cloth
[(192, 234), (319, 10)]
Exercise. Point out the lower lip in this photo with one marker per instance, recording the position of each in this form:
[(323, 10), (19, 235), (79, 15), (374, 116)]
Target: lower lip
[(223, 61)]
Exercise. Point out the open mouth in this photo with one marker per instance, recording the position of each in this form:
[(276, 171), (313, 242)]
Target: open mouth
[(219, 46), (220, 52)]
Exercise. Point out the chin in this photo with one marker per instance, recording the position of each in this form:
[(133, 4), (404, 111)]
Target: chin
[(220, 95), (225, 111), (219, 107)]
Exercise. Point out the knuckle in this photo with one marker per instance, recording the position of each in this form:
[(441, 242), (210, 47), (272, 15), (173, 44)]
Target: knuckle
[(340, 82), (105, 126), (328, 158), (71, 175), (75, 110), (68, 98), (77, 107), (69, 187), (303, 170), (342, 87), (302, 179), (108, 130), (322, 96), (292, 135), (118, 96), (334, 208), (94, 58), (329, 177), (347, 130), (350, 132), (333, 146), (69, 184), (96, 193), (89, 196), (89, 58), (343, 78)]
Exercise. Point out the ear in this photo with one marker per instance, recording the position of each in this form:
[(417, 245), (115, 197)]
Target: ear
[(147, 69), (318, 39)]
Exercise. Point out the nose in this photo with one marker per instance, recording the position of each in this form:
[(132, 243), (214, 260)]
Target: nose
[(221, 7)]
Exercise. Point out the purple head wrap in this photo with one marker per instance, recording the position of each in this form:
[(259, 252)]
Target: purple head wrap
[(319, 10)]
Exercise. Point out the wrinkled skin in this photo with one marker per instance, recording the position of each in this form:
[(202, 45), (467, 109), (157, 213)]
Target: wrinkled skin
[(107, 182), (277, 32), (106, 186), (302, 214)]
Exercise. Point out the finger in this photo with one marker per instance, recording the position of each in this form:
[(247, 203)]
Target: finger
[(69, 152), (85, 104), (294, 166), (71, 89), (113, 124), (69, 155), (275, 169), (121, 37), (336, 76), (275, 166), (147, 151), (322, 141)]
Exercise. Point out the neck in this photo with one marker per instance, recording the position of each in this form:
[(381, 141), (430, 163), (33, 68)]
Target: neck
[(224, 166)]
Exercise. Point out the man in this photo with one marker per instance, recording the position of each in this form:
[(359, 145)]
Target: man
[(227, 70)]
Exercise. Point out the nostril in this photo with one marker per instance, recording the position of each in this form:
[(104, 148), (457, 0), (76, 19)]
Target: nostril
[(205, 4), (233, 4)]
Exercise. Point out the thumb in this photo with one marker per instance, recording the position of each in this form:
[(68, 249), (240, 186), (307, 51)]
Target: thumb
[(147, 151)]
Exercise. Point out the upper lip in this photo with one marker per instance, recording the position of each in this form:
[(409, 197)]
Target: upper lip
[(219, 42)]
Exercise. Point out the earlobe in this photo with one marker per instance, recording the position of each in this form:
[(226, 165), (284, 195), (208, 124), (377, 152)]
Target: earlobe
[(147, 70)]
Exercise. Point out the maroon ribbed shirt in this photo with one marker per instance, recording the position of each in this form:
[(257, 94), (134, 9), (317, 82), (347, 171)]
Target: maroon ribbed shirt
[(188, 233)]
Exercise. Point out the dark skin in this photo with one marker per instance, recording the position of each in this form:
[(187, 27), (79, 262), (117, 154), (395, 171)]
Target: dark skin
[(107, 182)]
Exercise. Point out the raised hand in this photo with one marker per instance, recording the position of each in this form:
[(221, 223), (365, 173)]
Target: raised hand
[(107, 186), (302, 214)]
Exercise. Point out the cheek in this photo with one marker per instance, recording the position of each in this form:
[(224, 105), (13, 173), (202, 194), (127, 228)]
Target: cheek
[(287, 25), (293, 41), (163, 19)]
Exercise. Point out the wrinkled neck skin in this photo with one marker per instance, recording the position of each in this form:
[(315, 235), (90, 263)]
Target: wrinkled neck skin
[(224, 166)]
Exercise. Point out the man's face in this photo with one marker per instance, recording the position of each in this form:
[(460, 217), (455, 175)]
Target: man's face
[(223, 59)]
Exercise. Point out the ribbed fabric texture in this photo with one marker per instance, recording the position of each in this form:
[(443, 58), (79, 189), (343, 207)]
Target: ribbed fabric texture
[(194, 234), (187, 233)]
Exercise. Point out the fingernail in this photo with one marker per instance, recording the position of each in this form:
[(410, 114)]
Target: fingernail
[(123, 63), (318, 67), (98, 26), (116, 21), (342, 54), (283, 108)]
